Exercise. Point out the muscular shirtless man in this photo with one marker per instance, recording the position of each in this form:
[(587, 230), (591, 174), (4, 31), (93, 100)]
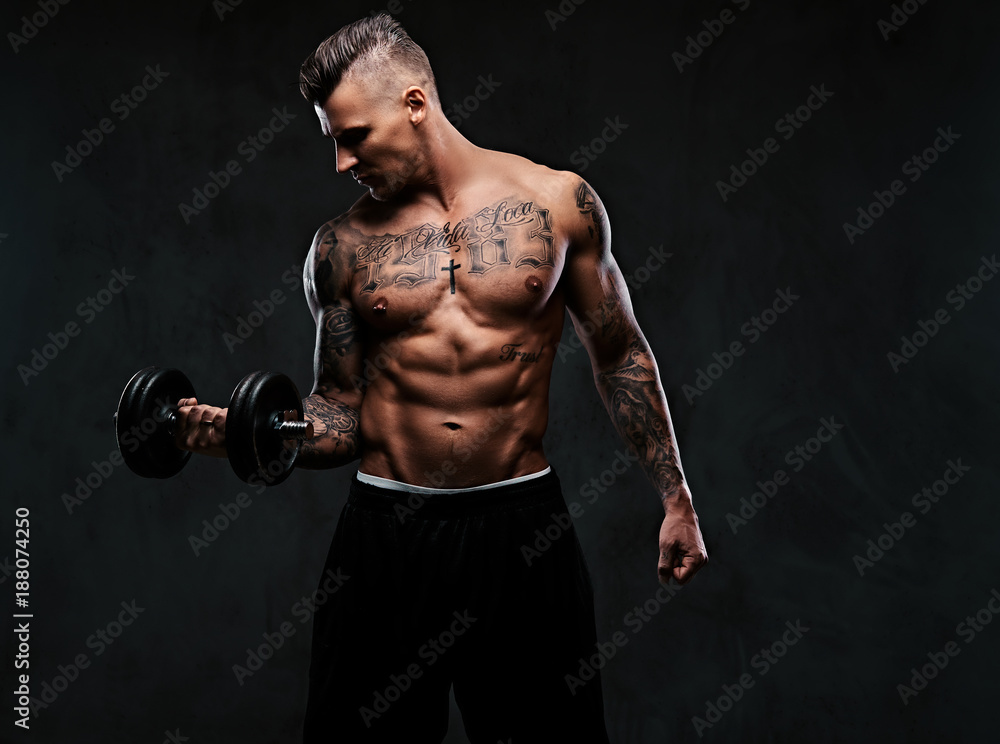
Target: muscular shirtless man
[(439, 300)]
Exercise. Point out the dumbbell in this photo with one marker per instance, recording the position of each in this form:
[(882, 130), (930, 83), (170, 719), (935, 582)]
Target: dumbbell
[(264, 425)]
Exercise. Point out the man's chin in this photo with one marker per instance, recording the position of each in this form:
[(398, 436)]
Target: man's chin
[(383, 191)]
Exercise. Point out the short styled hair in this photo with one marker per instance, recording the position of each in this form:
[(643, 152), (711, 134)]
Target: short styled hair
[(373, 48)]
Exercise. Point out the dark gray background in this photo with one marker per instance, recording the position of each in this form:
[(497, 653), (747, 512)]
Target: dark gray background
[(172, 669)]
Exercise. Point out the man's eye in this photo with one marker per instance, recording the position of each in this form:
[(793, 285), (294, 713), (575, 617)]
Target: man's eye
[(353, 138)]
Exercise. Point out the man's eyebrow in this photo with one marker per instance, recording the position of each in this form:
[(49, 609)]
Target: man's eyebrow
[(350, 130)]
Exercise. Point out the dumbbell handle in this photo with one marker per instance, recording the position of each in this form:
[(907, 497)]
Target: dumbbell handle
[(284, 423), (288, 427)]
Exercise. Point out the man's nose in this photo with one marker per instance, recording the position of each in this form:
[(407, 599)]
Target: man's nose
[(345, 160)]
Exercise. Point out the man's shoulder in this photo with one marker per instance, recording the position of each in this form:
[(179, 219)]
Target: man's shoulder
[(326, 239), (342, 226), (345, 218), (552, 186)]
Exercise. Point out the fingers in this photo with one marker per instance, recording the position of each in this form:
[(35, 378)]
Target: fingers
[(682, 569), (665, 567), (686, 571), (200, 428)]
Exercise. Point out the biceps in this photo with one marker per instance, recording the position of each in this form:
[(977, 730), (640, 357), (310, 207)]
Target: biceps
[(337, 360), (600, 308)]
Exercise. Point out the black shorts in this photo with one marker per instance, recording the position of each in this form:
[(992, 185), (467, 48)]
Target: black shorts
[(451, 589)]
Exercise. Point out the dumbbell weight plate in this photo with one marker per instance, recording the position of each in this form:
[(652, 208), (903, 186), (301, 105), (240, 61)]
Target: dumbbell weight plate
[(149, 450), (256, 452)]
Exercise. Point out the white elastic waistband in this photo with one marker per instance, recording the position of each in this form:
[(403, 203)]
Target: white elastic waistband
[(395, 485)]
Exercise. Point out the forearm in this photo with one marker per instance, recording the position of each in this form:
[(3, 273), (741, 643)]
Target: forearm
[(633, 396), (337, 438)]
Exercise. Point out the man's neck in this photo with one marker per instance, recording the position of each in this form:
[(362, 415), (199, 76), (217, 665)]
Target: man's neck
[(449, 167)]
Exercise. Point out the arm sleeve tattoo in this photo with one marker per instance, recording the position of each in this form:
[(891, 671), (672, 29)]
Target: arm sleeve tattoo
[(638, 408), (625, 371), (337, 439)]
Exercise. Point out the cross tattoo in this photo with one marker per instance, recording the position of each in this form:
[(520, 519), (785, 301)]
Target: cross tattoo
[(451, 267)]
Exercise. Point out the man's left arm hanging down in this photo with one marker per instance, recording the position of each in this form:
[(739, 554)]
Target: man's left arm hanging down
[(628, 380)]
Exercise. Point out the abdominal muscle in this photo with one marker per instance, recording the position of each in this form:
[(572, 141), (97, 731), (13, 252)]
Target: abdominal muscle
[(451, 409)]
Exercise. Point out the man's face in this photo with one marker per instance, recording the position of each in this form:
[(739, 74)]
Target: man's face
[(373, 136)]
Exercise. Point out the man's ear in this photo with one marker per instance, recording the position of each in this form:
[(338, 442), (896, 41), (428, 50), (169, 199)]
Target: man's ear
[(416, 102)]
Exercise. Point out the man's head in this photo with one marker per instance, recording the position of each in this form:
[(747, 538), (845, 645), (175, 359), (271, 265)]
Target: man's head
[(372, 87)]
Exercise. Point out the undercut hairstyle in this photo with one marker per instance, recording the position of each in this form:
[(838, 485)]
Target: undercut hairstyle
[(374, 50)]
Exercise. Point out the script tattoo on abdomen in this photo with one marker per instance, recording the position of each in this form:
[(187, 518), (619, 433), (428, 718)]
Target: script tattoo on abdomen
[(504, 234)]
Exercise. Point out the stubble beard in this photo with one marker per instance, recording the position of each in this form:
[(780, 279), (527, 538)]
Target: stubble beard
[(393, 182)]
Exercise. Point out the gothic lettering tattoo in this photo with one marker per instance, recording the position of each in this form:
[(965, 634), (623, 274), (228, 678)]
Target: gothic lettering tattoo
[(504, 234)]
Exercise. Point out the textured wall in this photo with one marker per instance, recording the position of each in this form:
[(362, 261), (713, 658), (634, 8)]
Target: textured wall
[(899, 424)]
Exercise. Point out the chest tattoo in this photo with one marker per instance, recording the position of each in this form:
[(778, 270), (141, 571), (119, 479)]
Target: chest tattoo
[(507, 234)]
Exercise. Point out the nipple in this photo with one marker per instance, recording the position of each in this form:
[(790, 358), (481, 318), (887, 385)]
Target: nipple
[(380, 306), (533, 284)]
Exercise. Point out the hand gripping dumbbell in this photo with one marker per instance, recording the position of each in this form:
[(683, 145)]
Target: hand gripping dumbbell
[(265, 426)]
